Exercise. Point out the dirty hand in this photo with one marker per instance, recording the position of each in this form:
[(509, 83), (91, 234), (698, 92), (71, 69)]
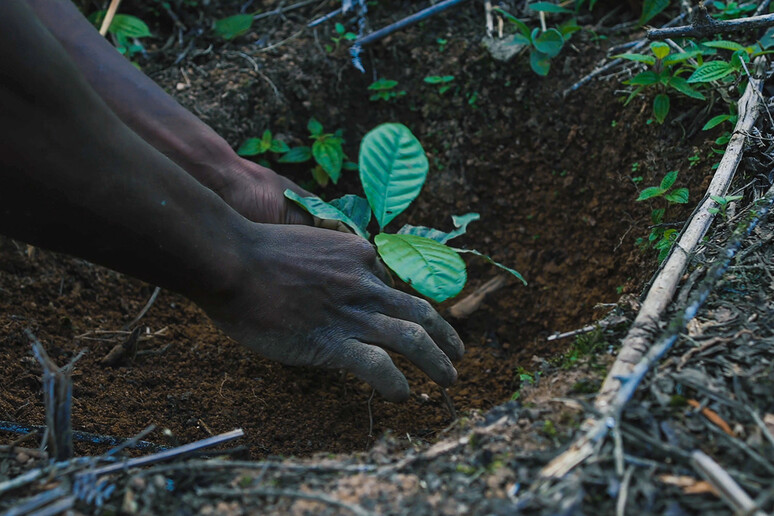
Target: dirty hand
[(315, 297), (258, 194)]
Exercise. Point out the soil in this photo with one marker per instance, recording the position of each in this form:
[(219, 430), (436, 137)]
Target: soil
[(551, 176)]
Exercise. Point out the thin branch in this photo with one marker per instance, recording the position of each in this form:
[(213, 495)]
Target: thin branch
[(729, 490), (704, 26), (109, 15)]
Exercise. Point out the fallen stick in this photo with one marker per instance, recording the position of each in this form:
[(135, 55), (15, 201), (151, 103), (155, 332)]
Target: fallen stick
[(17, 428), (472, 302), (637, 355), (703, 26), (729, 490), (109, 15)]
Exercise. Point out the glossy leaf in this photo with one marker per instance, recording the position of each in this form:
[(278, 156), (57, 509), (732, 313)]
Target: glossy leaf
[(724, 45), (683, 87), (539, 62), (650, 192), (251, 147), (321, 209), (659, 49), (715, 121), (315, 128), (354, 207), (549, 42), (679, 196), (661, 107), (639, 58), (233, 26), (431, 268), (669, 180), (393, 168), (548, 7), (328, 154), (646, 78), (711, 71), (297, 155), (460, 223), (279, 147), (651, 8), (496, 264)]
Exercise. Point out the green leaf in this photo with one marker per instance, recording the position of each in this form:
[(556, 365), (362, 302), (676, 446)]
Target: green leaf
[(129, 26), (661, 107), (679, 196), (521, 39), (328, 154), (323, 210), (549, 42), (669, 180), (651, 8), (279, 147), (659, 49), (650, 192), (314, 127), (680, 57), (569, 27), (548, 7), (383, 84), (683, 87), (251, 147), (349, 165), (724, 45), (496, 264), (356, 208), (645, 78), (266, 138), (432, 269), (657, 216), (539, 62), (711, 71), (718, 199), (297, 155), (460, 222), (715, 121), (393, 168), (233, 26), (649, 60)]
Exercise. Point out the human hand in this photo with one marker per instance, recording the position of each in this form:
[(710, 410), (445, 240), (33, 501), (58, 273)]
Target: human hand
[(258, 194), (313, 297)]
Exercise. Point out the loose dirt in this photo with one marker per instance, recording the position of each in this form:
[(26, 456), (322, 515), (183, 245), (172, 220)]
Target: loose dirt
[(550, 176)]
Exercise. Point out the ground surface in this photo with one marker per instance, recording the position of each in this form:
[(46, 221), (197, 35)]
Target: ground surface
[(550, 175)]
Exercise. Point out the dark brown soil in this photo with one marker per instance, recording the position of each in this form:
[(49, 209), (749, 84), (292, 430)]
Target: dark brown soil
[(551, 177)]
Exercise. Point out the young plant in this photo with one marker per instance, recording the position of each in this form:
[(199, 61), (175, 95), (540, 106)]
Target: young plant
[(663, 76), (340, 34), (723, 203), (730, 10), (393, 168), (384, 89), (127, 30), (233, 26), (544, 43), (721, 69), (443, 82), (327, 152), (263, 145), (660, 238)]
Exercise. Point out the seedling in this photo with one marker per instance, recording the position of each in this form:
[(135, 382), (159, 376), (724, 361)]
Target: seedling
[(441, 44), (723, 203), (127, 30), (384, 89), (263, 145), (730, 10), (544, 43), (443, 82), (393, 168), (327, 152), (340, 34), (661, 238), (663, 76)]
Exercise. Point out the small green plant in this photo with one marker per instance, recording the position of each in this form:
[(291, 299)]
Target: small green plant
[(263, 145), (545, 43), (444, 82), (661, 238), (340, 34), (127, 30), (441, 44), (393, 168), (663, 76), (384, 89), (233, 26), (326, 150), (730, 10), (525, 378), (723, 204)]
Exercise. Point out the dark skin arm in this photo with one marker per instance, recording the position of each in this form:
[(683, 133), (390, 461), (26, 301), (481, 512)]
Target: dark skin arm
[(254, 191), (75, 178)]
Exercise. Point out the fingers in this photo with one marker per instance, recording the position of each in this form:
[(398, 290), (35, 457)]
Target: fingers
[(373, 365), (400, 305), (412, 341)]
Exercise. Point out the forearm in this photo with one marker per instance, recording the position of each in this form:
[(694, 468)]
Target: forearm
[(74, 178), (136, 99)]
